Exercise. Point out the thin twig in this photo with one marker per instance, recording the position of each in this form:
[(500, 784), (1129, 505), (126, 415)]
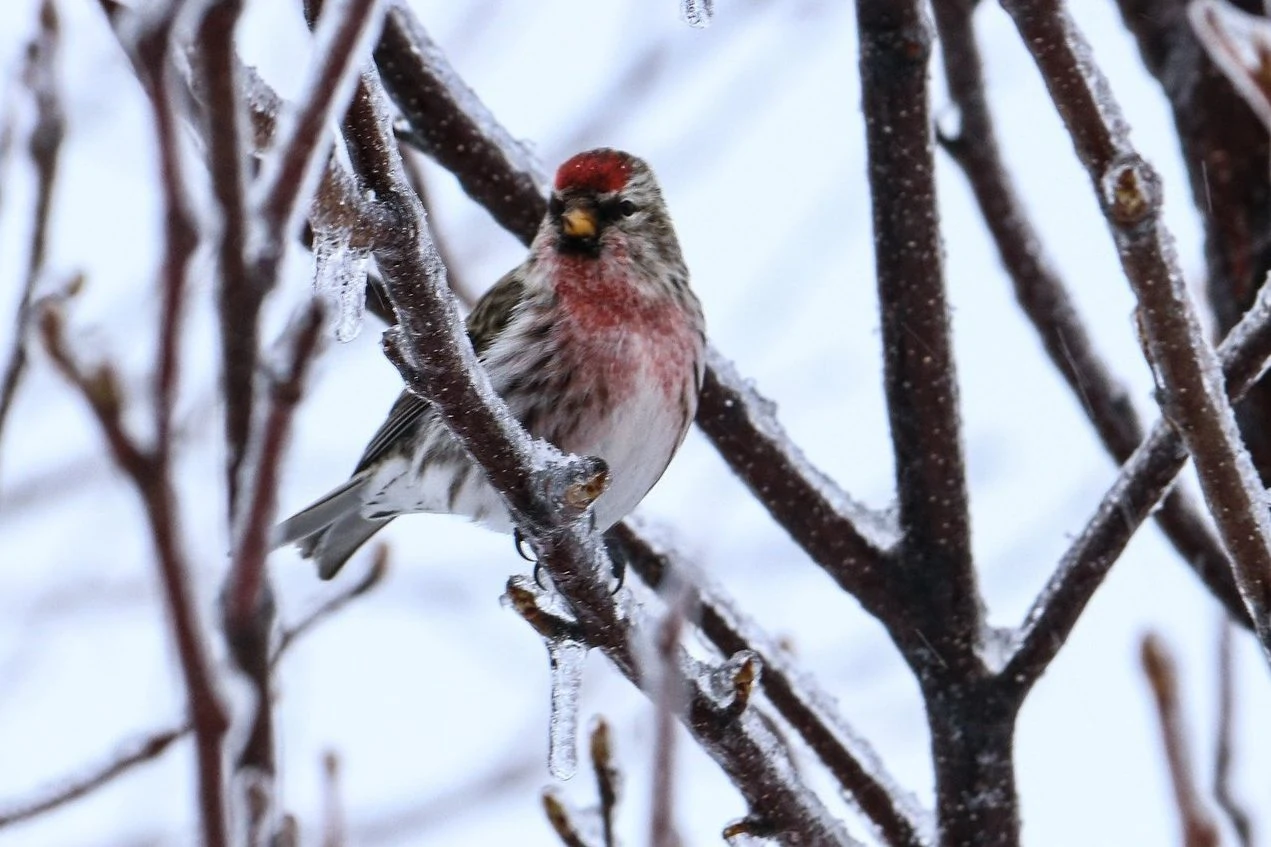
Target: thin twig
[(1224, 744), (149, 472), (607, 779), (1130, 194), (333, 827), (1046, 301), (1198, 825), (1225, 148), (132, 755), (45, 144), (223, 124), (373, 576), (667, 700)]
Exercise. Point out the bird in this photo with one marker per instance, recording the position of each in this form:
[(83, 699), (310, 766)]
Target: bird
[(595, 342)]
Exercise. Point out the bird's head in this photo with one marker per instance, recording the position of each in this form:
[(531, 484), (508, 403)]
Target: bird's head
[(606, 200)]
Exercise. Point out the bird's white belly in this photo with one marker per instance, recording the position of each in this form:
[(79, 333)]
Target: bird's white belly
[(636, 437)]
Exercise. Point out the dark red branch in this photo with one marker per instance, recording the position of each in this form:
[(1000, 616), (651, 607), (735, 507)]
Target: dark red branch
[(1045, 299), (149, 473), (249, 604), (1129, 192)]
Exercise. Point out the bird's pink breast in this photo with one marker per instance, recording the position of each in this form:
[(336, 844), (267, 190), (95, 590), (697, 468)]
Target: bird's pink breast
[(616, 327)]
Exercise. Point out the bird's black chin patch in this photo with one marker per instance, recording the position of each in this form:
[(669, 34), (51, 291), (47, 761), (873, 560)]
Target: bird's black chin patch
[(574, 246)]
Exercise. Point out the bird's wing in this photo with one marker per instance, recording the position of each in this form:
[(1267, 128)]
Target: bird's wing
[(487, 320)]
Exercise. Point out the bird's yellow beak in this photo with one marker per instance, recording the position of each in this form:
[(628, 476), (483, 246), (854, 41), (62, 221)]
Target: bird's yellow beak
[(578, 222)]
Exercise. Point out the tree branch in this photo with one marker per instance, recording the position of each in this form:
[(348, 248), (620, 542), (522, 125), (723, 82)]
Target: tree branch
[(1046, 301), (1142, 482), (794, 695), (1186, 367), (919, 375)]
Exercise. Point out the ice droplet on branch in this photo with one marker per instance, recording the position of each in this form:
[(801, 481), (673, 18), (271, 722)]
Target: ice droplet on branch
[(566, 658), (697, 13), (339, 278)]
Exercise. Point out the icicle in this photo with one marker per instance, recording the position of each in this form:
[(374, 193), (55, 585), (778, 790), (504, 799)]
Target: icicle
[(340, 278), (566, 658), (697, 13)]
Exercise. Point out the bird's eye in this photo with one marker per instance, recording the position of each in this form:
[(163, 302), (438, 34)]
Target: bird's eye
[(555, 206), (627, 208)]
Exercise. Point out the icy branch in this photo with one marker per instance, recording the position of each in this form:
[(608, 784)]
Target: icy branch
[(934, 561), (1143, 480), (1185, 364), (795, 695), (1046, 301)]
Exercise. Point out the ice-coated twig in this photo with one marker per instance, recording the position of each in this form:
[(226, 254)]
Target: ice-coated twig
[(1143, 480), (795, 695), (238, 302), (373, 576), (851, 543), (498, 171), (1046, 301), (293, 166), (131, 755), (1199, 829), (499, 174), (1224, 744), (436, 360), (40, 77), (564, 820), (1185, 364), (1229, 191)]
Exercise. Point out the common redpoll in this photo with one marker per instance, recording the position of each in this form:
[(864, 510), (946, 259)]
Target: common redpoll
[(596, 344)]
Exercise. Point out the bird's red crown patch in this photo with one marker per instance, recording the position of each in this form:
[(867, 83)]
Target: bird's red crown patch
[(596, 170)]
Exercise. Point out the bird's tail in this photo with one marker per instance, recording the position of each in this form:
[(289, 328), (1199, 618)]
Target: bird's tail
[(332, 529)]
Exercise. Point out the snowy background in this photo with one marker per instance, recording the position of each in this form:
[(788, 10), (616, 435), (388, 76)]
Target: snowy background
[(434, 696)]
